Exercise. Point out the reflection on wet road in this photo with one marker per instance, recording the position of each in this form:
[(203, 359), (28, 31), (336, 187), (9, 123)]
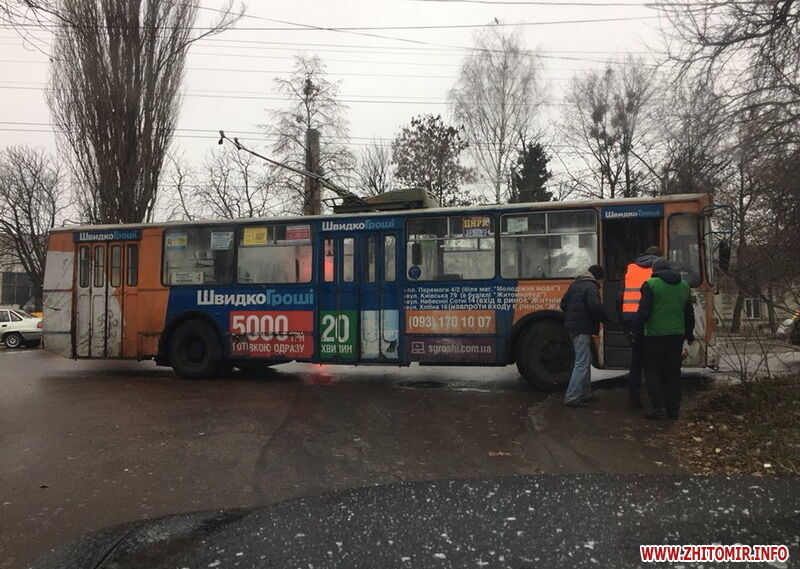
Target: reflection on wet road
[(84, 445)]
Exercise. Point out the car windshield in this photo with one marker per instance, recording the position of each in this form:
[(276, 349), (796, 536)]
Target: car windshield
[(22, 314)]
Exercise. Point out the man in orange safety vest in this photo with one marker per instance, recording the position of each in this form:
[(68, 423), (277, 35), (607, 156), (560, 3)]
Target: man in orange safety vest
[(636, 274)]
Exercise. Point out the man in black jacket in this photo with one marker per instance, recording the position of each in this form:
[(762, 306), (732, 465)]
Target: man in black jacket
[(583, 314), (664, 320)]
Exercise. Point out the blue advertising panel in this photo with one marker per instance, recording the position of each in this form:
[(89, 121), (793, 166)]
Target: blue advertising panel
[(633, 211)]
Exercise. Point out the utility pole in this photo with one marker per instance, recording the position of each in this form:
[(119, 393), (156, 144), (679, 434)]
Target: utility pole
[(312, 199)]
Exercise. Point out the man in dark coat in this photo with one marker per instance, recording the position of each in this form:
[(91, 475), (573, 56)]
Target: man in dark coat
[(664, 320), (583, 314)]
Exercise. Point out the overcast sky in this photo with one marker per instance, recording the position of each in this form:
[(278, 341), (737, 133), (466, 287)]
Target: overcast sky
[(384, 82)]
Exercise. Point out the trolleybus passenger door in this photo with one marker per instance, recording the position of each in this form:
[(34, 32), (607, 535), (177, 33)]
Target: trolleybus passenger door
[(380, 308), (115, 300), (99, 299), (624, 239), (339, 299), (82, 325)]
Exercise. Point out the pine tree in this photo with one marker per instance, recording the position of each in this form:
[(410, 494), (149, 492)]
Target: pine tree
[(528, 181)]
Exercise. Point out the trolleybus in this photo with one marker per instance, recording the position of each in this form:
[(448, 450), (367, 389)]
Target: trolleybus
[(439, 286)]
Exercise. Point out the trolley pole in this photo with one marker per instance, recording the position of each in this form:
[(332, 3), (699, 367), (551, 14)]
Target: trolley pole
[(312, 200)]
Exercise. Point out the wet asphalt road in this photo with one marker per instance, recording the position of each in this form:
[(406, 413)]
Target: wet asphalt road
[(84, 445), (510, 522)]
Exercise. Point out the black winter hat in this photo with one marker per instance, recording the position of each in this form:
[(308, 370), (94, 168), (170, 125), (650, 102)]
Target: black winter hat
[(661, 264), (597, 272)]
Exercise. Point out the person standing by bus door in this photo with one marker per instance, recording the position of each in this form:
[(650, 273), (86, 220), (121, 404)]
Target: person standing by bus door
[(664, 320), (583, 312), (636, 273)]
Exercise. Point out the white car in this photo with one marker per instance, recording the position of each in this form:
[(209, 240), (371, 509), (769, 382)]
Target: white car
[(18, 328)]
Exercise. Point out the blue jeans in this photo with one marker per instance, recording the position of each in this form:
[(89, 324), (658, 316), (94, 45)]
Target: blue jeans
[(580, 381)]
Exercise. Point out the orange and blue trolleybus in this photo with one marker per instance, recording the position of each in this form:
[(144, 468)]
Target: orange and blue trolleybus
[(432, 286)]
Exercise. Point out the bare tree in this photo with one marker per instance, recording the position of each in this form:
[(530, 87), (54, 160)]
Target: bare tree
[(767, 213), (496, 99), (116, 70), (603, 128), (32, 202), (780, 231), (314, 104), (757, 41), (694, 133), (742, 193), (177, 192), (236, 185), (375, 171)]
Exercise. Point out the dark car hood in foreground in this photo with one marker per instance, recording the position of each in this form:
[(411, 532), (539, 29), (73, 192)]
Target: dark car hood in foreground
[(525, 521)]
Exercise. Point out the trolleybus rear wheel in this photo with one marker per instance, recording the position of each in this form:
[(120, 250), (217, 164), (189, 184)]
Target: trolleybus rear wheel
[(195, 351), (545, 355)]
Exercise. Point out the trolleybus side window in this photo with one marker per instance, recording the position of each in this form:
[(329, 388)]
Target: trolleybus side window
[(99, 265), (389, 264), (451, 248), (275, 254), (684, 246), (83, 266), (547, 245), (348, 261), (329, 262), (198, 255), (133, 265), (370, 260), (116, 265), (708, 247)]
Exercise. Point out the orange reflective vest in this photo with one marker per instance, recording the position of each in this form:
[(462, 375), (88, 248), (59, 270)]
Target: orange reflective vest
[(635, 276)]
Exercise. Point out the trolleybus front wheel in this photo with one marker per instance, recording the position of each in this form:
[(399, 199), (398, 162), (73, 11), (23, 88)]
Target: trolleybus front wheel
[(545, 355), (195, 351)]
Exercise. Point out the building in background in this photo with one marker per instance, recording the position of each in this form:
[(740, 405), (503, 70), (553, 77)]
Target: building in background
[(16, 289), (755, 317)]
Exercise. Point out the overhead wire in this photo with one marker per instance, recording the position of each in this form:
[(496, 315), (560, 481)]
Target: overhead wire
[(361, 31), (356, 30), (213, 134), (436, 76), (540, 55), (363, 48), (225, 95), (297, 27), (353, 30)]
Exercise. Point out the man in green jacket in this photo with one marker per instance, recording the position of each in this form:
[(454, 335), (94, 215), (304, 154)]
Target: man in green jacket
[(664, 320)]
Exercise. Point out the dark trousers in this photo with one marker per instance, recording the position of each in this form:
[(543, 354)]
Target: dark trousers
[(635, 373), (662, 371)]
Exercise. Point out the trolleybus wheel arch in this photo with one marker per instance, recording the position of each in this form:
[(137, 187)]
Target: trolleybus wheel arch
[(545, 355), (195, 350)]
